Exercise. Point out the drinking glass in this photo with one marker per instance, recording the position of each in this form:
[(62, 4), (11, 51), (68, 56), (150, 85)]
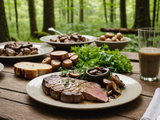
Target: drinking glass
[(149, 53)]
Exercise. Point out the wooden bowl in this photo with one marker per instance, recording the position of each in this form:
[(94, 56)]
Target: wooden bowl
[(97, 78)]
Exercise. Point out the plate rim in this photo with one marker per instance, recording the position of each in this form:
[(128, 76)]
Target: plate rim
[(88, 106)]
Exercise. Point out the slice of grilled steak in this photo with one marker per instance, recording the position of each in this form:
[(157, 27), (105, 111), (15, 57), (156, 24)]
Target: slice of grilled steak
[(93, 92), (73, 90), (74, 96), (48, 82)]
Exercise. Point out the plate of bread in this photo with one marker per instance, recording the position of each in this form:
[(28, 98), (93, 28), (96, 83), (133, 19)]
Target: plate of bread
[(18, 51)]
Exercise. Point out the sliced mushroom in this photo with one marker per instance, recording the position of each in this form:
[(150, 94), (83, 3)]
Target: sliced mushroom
[(108, 83), (74, 59), (55, 64), (20, 54), (66, 64), (117, 80), (34, 52), (94, 71), (27, 45), (10, 52), (116, 88), (71, 54), (110, 92), (46, 60), (74, 74), (26, 51)]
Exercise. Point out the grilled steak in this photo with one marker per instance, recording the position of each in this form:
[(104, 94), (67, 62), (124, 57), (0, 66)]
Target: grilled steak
[(73, 90)]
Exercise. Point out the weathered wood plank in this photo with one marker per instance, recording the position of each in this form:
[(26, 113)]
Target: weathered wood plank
[(17, 111), (133, 56)]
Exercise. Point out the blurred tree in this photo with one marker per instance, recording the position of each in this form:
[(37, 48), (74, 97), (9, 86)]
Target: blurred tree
[(16, 12), (9, 9), (111, 11), (123, 13), (72, 11), (32, 17), (81, 11), (157, 15), (48, 15), (154, 13), (142, 17), (4, 32), (68, 16), (105, 11)]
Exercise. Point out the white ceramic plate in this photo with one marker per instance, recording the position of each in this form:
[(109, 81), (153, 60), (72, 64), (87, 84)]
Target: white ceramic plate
[(1, 67), (42, 50), (66, 46), (131, 91)]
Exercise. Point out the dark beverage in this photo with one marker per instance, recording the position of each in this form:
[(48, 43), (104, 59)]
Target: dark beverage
[(149, 59)]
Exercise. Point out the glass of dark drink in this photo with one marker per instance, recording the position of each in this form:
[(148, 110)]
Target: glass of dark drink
[(149, 53)]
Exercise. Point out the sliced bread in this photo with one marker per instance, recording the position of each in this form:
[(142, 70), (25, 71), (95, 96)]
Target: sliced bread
[(30, 70)]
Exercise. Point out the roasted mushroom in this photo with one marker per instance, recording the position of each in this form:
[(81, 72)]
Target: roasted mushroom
[(74, 74), (117, 80), (10, 52), (116, 88)]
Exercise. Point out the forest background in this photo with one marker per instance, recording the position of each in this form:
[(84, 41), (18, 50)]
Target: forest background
[(81, 16)]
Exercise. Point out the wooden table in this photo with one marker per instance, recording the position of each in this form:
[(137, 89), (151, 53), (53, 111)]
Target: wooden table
[(16, 104)]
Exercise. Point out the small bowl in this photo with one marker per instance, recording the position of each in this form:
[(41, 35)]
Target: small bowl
[(97, 78), (114, 45)]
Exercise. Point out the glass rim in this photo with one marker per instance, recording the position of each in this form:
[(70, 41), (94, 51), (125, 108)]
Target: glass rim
[(148, 28)]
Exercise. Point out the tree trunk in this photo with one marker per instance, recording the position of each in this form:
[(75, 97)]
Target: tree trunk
[(72, 13), (9, 9), (157, 11), (81, 11), (142, 17), (154, 13), (68, 11), (123, 13), (105, 11), (16, 12), (32, 16), (4, 32), (48, 15), (111, 11)]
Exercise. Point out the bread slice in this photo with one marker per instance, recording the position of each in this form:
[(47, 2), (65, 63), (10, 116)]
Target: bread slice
[(30, 70)]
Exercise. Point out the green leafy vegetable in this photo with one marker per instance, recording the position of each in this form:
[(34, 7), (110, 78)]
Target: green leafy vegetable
[(90, 56)]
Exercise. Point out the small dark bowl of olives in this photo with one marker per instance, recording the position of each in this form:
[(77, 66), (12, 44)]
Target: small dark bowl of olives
[(97, 74)]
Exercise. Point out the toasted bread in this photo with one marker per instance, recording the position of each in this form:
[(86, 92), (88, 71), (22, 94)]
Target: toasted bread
[(30, 70)]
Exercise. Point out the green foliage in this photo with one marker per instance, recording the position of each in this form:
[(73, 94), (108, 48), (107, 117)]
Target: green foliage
[(40, 34), (90, 56)]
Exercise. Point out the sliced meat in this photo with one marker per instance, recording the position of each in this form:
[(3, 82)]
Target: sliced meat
[(74, 96), (48, 82), (55, 91), (93, 92), (72, 90)]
